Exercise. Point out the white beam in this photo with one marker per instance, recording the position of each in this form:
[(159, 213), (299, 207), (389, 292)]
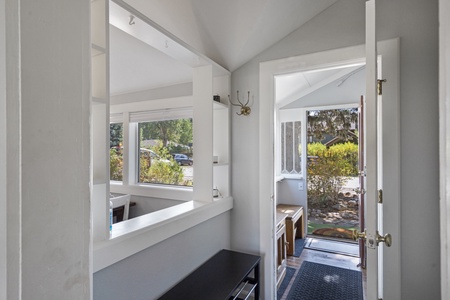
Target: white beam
[(203, 133)]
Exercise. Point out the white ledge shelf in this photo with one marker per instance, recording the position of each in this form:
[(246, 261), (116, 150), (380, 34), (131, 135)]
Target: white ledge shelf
[(137, 234), (280, 178)]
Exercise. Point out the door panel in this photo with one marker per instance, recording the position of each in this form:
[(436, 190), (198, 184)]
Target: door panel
[(371, 157), (362, 171)]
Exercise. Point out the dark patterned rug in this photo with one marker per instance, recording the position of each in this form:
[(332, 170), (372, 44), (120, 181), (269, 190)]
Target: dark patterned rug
[(284, 284), (299, 245), (322, 282)]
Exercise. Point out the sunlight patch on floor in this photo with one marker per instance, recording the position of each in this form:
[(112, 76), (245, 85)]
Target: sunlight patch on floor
[(332, 246)]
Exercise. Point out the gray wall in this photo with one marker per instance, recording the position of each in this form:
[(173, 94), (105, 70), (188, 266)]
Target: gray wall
[(2, 153), (149, 273), (342, 25)]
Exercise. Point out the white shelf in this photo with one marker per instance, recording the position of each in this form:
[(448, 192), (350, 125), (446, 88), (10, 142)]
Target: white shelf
[(221, 135)]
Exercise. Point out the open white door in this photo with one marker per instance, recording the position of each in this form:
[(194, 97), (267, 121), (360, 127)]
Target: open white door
[(372, 235), (371, 157)]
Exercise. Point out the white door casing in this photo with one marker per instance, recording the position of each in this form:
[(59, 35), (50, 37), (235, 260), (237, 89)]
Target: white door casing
[(389, 52), (444, 143)]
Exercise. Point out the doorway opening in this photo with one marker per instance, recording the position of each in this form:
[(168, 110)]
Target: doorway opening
[(333, 187), (271, 182)]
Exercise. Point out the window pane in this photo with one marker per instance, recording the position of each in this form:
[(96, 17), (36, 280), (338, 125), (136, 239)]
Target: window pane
[(283, 150), (115, 151), (297, 147), (290, 147), (165, 152)]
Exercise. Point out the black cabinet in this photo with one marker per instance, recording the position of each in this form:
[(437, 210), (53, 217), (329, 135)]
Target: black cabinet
[(226, 275)]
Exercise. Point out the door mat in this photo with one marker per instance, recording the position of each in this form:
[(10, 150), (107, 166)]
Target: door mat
[(341, 233), (323, 282)]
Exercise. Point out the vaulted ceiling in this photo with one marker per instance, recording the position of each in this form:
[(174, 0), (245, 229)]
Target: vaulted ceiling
[(230, 32)]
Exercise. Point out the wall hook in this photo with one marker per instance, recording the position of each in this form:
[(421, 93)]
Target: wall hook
[(245, 109)]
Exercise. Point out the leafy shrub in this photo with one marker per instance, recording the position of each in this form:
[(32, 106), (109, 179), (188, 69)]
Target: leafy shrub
[(159, 171), (164, 170), (329, 169)]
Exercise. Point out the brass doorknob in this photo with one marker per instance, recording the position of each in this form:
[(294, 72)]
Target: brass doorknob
[(386, 239), (358, 235)]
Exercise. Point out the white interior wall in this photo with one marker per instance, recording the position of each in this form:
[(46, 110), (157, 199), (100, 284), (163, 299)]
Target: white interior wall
[(48, 213), (151, 272), (339, 26)]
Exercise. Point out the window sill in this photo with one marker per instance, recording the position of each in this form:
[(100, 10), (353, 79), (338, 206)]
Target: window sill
[(288, 176), (137, 234), (153, 190)]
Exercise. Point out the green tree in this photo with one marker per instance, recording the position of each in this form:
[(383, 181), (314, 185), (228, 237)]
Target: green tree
[(116, 135), (185, 132), (177, 131), (335, 122)]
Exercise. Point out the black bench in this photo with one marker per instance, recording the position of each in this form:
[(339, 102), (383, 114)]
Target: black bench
[(226, 275)]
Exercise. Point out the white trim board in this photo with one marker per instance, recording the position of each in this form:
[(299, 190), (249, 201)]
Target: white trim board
[(444, 143)]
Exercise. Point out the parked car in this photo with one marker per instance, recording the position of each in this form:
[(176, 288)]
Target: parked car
[(183, 160)]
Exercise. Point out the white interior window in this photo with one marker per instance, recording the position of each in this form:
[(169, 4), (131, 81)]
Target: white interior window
[(290, 158), (289, 143)]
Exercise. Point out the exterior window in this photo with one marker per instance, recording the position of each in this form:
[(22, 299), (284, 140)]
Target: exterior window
[(291, 147), (116, 151), (165, 152)]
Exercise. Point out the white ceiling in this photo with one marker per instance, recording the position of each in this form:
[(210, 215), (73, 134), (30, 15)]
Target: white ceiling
[(344, 85), (136, 66), (229, 32)]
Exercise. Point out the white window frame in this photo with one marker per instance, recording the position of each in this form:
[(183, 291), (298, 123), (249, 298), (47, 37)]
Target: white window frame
[(283, 116), (153, 116), (131, 114)]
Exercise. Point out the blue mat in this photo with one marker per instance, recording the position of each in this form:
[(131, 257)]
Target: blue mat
[(322, 282), (299, 245), (284, 284)]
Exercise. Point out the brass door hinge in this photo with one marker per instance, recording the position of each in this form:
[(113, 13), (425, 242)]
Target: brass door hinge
[(380, 196), (380, 86)]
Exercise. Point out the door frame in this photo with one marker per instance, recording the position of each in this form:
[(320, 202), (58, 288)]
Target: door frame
[(389, 50), (444, 144)]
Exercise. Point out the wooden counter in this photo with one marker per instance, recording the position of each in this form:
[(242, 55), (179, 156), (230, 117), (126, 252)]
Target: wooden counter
[(295, 225)]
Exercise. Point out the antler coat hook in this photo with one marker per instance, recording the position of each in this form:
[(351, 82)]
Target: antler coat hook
[(245, 109)]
